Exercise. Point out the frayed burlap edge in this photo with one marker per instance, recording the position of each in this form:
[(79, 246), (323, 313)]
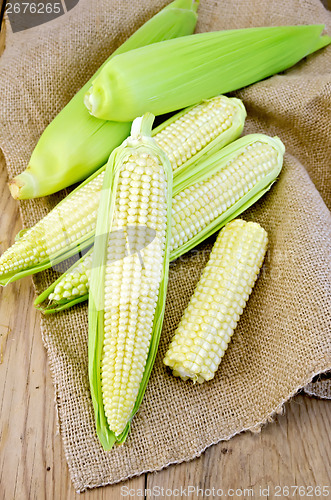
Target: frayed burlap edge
[(320, 388), (254, 429)]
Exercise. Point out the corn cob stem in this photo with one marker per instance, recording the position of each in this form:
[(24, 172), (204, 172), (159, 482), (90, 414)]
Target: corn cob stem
[(218, 190), (205, 330), (128, 286), (75, 144), (70, 227)]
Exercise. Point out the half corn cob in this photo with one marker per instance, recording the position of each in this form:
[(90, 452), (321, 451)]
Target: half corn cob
[(69, 228), (176, 73), (209, 320), (128, 279), (219, 189), (75, 144)]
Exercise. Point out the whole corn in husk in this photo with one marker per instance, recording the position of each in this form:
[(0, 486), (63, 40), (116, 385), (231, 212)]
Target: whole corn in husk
[(74, 145), (173, 74), (128, 279), (208, 322), (218, 190), (68, 229)]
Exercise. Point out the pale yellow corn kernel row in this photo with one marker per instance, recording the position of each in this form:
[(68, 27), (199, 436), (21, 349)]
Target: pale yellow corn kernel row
[(196, 206), (74, 283), (64, 225), (132, 284), (197, 128), (193, 208), (76, 217), (209, 320)]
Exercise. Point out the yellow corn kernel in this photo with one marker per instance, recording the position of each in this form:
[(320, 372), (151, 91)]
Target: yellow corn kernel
[(199, 204), (132, 284), (72, 220), (199, 131), (231, 181), (203, 128)]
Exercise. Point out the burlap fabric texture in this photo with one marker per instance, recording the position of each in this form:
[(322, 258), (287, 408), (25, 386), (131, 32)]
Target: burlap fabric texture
[(283, 338)]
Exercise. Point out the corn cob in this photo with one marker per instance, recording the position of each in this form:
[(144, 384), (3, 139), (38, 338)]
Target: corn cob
[(173, 74), (69, 228), (219, 189), (64, 232), (74, 144), (199, 131), (208, 322), (127, 290)]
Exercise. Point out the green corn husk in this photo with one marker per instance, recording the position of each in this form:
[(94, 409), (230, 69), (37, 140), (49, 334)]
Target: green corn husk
[(174, 74), (41, 236), (75, 144), (139, 142), (200, 172)]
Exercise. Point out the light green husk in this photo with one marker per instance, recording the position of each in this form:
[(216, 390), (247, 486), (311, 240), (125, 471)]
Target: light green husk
[(140, 142), (75, 144), (197, 173), (174, 74)]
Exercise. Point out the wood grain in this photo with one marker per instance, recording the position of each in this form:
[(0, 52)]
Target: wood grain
[(2, 37), (293, 450), (290, 451)]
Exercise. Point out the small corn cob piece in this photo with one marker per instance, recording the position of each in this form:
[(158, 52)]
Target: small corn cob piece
[(218, 190), (220, 120), (128, 279), (209, 320), (74, 145), (174, 74)]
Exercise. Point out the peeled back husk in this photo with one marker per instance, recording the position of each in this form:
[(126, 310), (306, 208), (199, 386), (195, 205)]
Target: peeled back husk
[(217, 164), (105, 256)]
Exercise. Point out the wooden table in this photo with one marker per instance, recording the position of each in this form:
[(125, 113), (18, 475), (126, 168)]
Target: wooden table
[(294, 450)]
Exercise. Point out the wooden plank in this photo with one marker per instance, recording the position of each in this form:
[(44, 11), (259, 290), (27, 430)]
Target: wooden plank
[(2, 37), (32, 461), (292, 451)]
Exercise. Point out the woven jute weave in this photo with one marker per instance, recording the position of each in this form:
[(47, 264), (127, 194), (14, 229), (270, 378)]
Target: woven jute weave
[(283, 338)]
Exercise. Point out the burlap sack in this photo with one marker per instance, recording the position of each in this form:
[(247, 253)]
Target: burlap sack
[(283, 338)]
